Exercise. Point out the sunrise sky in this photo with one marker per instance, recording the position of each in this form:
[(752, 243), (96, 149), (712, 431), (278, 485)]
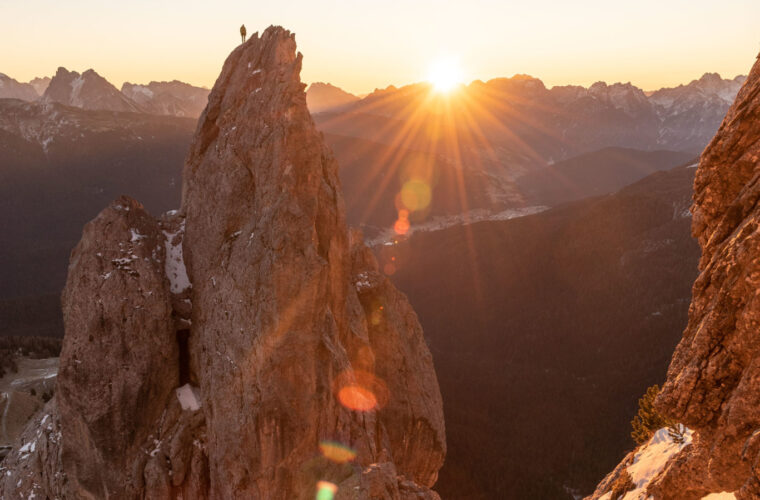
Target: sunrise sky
[(360, 45)]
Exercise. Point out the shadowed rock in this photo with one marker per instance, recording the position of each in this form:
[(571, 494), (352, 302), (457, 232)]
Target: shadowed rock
[(253, 302)]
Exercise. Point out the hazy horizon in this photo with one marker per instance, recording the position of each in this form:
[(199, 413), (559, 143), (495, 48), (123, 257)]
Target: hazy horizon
[(650, 45)]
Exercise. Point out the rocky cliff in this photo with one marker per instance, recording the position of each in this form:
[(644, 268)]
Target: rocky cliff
[(245, 346), (713, 383)]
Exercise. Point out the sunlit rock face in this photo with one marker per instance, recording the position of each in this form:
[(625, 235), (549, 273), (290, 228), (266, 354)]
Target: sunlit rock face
[(713, 383), (245, 346), (284, 306)]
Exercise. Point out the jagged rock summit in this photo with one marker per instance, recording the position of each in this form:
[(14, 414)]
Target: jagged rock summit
[(325, 96), (12, 89), (713, 383), (245, 346), (88, 90)]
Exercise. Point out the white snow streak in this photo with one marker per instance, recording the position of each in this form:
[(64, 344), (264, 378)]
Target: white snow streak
[(175, 264), (649, 461)]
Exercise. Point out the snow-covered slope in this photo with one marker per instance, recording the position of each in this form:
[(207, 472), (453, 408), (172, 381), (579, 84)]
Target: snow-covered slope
[(647, 461), (690, 112)]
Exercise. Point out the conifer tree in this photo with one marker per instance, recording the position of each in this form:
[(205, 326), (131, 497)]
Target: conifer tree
[(648, 420)]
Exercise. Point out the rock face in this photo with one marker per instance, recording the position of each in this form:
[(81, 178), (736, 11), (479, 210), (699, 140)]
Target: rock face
[(712, 383), (10, 88), (40, 84), (87, 91), (296, 365), (278, 313), (116, 307)]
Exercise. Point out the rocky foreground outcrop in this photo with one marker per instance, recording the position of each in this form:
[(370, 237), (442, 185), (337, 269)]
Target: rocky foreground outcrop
[(245, 346), (713, 383)]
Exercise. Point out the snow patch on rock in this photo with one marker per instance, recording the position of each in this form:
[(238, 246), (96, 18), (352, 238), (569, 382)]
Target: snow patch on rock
[(650, 460), (175, 262), (188, 397)]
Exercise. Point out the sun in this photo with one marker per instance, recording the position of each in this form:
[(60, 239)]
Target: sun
[(445, 74)]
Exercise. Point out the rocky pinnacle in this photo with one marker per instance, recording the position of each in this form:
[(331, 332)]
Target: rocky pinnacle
[(245, 346)]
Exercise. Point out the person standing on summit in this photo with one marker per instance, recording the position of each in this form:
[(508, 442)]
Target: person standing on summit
[(242, 32)]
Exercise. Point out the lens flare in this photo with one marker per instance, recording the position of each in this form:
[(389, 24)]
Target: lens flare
[(416, 195), (360, 391), (389, 269), (336, 452), (401, 226), (357, 398), (375, 318), (326, 490)]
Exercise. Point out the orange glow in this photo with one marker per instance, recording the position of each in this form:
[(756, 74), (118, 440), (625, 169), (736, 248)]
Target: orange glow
[(360, 391), (445, 74), (416, 195), (401, 226), (336, 452), (357, 398), (389, 269)]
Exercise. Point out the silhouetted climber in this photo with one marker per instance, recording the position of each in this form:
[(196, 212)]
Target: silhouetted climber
[(242, 32)]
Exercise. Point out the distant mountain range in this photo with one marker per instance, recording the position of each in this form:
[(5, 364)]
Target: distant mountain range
[(537, 125), (91, 91), (87, 91), (324, 97), (484, 146), (173, 98), (520, 123), (10, 88)]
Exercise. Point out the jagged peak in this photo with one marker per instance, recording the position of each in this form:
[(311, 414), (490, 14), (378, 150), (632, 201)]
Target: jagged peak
[(259, 83), (324, 85)]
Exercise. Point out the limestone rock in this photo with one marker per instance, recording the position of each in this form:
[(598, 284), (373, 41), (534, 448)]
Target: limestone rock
[(119, 356), (34, 470), (277, 318), (246, 346)]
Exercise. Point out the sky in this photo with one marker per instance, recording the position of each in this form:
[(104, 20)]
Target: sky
[(361, 45)]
